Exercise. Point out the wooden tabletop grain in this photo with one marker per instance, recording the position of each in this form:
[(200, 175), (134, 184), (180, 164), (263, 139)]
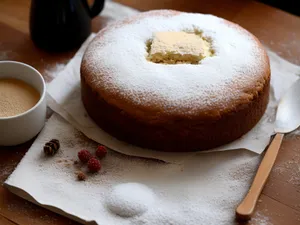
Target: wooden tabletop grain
[(279, 203)]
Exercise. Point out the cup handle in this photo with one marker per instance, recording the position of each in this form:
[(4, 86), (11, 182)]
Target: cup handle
[(95, 9)]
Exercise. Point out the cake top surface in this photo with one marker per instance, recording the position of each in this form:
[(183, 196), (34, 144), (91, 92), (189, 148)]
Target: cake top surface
[(116, 65)]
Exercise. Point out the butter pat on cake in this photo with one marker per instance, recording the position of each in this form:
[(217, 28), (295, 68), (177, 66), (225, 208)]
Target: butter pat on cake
[(178, 47)]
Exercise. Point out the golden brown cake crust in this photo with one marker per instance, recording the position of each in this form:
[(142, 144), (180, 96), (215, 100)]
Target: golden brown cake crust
[(151, 125)]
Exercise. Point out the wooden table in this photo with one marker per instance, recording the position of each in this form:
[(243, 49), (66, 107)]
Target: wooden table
[(280, 31)]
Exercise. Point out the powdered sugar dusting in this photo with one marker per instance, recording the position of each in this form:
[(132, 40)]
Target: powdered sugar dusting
[(52, 72), (119, 55), (7, 169), (261, 219)]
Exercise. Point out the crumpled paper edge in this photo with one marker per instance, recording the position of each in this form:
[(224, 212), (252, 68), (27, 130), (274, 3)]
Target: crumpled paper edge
[(24, 194)]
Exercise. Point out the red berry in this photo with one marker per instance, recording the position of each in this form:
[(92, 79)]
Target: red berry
[(84, 155), (94, 165), (101, 151)]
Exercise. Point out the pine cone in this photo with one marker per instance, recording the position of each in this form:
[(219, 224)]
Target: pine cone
[(51, 147)]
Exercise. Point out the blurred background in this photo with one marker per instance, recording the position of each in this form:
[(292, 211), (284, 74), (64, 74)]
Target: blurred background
[(290, 6)]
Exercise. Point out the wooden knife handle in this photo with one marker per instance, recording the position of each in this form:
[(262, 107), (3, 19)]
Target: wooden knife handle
[(246, 208)]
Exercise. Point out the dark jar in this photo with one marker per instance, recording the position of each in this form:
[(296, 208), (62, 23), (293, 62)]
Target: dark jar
[(61, 25)]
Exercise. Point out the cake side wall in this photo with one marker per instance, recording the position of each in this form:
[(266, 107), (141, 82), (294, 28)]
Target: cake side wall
[(175, 135)]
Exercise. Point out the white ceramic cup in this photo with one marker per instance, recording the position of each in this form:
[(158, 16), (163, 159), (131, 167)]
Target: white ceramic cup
[(18, 129)]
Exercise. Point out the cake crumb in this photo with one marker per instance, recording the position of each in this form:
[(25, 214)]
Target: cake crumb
[(81, 176)]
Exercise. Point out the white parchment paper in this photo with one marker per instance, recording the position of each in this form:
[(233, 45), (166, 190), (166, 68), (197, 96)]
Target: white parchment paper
[(204, 190)]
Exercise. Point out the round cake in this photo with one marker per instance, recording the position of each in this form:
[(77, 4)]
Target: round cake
[(175, 81)]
